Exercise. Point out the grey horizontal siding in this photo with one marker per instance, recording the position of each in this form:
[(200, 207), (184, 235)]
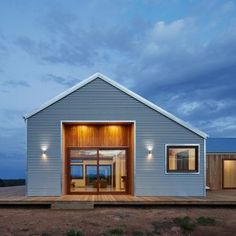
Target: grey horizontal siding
[(99, 100)]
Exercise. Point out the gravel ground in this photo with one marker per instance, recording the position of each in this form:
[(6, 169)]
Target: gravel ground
[(114, 221)]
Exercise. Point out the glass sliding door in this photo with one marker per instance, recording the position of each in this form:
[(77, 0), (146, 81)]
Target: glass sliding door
[(83, 170), (91, 175), (97, 170), (112, 170)]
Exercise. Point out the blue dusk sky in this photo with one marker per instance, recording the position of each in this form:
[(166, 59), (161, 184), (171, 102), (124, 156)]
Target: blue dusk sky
[(180, 55)]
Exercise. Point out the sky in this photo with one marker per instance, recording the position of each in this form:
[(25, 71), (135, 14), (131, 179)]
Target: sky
[(181, 55)]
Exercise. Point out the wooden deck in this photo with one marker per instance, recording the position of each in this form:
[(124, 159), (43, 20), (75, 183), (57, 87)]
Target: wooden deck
[(16, 195)]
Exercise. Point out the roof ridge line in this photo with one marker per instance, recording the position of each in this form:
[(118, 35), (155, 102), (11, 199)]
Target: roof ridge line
[(122, 88)]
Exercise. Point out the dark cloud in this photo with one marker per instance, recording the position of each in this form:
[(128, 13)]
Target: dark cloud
[(75, 44), (177, 64), (15, 83), (32, 47), (27, 44), (184, 60), (67, 82), (12, 166), (3, 43)]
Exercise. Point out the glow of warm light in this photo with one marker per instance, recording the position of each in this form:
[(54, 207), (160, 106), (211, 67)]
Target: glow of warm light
[(113, 127), (44, 156), (149, 148), (44, 149), (149, 156), (84, 127)]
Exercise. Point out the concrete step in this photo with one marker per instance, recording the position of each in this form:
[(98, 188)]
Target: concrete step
[(71, 205)]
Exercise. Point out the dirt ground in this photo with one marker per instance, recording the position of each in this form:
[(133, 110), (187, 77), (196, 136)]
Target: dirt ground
[(114, 221)]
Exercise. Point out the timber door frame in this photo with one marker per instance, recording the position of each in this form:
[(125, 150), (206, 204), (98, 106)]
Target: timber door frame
[(226, 159), (68, 180), (132, 153)]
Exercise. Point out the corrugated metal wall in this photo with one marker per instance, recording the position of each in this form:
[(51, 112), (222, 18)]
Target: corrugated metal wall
[(99, 100)]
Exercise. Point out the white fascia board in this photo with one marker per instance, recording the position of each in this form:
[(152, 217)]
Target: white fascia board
[(125, 90)]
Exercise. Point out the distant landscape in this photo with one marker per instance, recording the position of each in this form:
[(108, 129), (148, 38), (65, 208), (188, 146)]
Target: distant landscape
[(11, 182)]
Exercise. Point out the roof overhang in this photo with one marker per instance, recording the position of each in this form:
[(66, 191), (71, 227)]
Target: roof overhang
[(123, 89)]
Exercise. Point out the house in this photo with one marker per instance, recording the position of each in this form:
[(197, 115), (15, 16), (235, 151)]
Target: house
[(98, 137), (221, 163)]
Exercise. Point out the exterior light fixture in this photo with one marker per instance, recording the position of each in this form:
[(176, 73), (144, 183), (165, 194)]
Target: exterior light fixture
[(149, 156), (44, 152), (149, 149)]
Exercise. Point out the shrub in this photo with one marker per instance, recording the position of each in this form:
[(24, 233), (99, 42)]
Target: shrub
[(116, 231), (206, 221), (185, 223), (161, 225), (73, 232), (138, 233)]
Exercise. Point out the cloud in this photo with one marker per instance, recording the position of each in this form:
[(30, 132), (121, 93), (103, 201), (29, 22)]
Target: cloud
[(10, 120), (188, 108), (15, 83), (12, 166), (189, 57), (227, 7), (3, 43), (222, 126), (67, 82), (74, 44), (162, 31), (12, 154)]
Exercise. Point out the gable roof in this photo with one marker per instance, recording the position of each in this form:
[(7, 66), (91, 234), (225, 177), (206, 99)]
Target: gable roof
[(123, 89)]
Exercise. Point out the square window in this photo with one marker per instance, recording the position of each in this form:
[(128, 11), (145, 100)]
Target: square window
[(182, 159)]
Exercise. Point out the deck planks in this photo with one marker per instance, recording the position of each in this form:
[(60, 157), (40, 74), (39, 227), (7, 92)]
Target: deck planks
[(16, 195)]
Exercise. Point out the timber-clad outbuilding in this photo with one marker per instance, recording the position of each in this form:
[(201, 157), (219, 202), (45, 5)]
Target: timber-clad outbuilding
[(221, 163), (98, 137)]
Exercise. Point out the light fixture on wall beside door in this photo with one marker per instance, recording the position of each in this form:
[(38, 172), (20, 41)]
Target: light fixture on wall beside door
[(44, 152), (149, 156)]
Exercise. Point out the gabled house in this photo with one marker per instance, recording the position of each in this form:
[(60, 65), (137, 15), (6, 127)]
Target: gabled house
[(98, 137)]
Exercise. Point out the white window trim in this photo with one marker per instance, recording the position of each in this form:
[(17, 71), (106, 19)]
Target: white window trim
[(182, 173)]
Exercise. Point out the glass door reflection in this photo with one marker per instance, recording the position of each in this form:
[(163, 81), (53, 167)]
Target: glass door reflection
[(83, 170), (112, 170), (98, 170)]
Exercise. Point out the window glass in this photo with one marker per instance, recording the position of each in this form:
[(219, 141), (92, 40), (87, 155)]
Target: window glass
[(76, 171), (88, 154), (182, 158)]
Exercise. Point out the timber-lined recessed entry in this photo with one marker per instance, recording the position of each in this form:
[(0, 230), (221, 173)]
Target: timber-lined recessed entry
[(98, 158)]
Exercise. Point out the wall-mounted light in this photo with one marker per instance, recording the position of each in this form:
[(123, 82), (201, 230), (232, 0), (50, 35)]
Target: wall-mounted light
[(149, 156), (149, 145), (44, 152)]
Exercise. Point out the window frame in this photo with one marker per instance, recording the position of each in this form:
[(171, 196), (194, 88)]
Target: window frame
[(197, 160)]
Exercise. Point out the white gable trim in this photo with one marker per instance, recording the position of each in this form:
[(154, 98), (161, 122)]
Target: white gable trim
[(125, 90)]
